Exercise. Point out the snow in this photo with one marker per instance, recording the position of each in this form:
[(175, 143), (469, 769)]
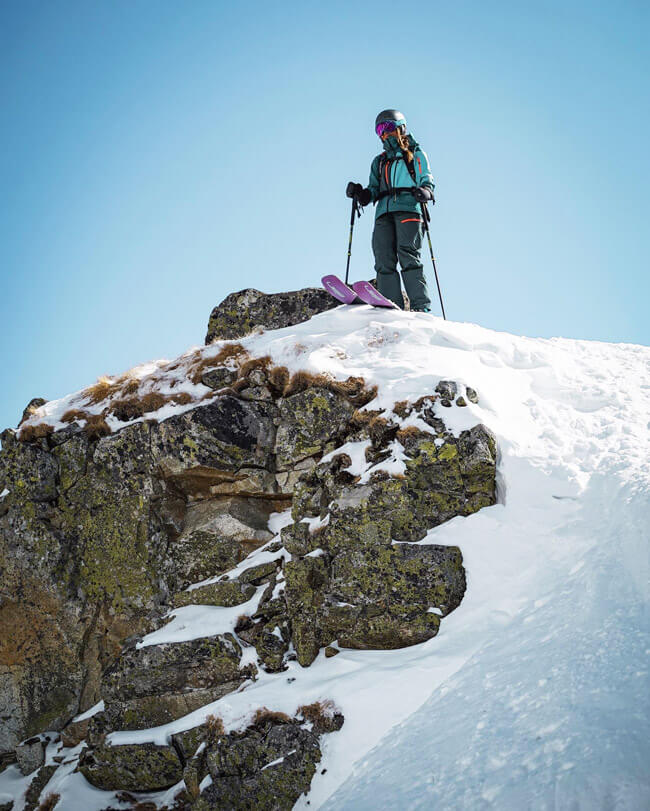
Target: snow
[(535, 692), (197, 621), (357, 453), (99, 707), (394, 464)]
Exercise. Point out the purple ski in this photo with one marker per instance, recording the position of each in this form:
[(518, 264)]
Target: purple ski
[(339, 289), (371, 295)]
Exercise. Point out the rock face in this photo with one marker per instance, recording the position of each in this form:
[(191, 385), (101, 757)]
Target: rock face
[(153, 685), (267, 766), (101, 535), (240, 313), (357, 578)]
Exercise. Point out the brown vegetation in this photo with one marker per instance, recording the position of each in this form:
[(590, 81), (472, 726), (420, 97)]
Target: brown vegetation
[(301, 381), (197, 368), (73, 414), (182, 398), (402, 409), (427, 400), (254, 363), (49, 802), (361, 418), (324, 715), (279, 377), (99, 391), (354, 388), (214, 728), (317, 711), (29, 433), (96, 427), (404, 434), (264, 714), (381, 431)]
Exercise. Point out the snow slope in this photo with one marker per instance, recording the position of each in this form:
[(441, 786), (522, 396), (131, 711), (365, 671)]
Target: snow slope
[(534, 695)]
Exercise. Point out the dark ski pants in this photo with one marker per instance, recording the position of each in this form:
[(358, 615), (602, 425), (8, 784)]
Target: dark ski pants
[(398, 234)]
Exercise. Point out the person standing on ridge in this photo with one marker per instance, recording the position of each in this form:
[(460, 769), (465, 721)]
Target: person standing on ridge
[(400, 179)]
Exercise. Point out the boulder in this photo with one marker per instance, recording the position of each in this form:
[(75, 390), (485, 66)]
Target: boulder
[(30, 755), (30, 408), (153, 685), (240, 313), (266, 766), (133, 767), (227, 434)]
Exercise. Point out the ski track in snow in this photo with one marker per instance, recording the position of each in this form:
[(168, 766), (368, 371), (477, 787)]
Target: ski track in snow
[(534, 695)]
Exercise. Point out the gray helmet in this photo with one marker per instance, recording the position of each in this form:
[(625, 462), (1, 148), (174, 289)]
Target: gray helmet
[(390, 115)]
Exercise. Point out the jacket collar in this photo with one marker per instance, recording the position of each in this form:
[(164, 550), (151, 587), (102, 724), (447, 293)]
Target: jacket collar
[(391, 147)]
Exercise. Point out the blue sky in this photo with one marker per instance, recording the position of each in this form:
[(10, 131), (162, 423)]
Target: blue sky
[(155, 156)]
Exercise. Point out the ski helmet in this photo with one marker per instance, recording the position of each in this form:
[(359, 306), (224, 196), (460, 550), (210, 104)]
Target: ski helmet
[(390, 115)]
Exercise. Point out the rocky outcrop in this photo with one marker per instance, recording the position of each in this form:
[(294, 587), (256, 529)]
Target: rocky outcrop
[(268, 764), (358, 578), (100, 535), (153, 685), (132, 767), (240, 313), (180, 500)]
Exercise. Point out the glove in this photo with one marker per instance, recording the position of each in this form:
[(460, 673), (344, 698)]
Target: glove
[(364, 197), (353, 189), (423, 194)]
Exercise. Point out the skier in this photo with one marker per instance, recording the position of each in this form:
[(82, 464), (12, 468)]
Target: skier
[(400, 180)]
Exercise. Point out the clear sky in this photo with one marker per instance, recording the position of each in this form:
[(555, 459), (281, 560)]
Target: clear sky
[(156, 155)]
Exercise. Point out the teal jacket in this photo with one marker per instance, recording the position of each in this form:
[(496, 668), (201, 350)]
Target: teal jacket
[(395, 174)]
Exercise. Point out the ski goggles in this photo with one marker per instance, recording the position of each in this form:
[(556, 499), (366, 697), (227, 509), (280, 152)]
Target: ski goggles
[(386, 126)]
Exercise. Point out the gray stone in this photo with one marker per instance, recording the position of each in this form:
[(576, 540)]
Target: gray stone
[(32, 405), (240, 313), (155, 684), (365, 590), (134, 767), (267, 766), (308, 421), (218, 378), (30, 755), (447, 389)]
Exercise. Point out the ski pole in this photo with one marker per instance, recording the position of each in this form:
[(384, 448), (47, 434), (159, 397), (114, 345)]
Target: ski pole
[(355, 210), (425, 217)]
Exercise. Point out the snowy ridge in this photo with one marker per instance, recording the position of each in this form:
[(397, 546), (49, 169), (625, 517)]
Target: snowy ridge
[(535, 692)]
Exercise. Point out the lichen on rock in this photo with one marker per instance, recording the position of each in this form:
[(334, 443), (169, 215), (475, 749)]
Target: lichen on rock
[(240, 313)]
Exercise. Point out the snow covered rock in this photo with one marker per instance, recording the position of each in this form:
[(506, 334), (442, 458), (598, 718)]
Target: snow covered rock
[(126, 512), (155, 684), (240, 313), (370, 586), (268, 765)]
